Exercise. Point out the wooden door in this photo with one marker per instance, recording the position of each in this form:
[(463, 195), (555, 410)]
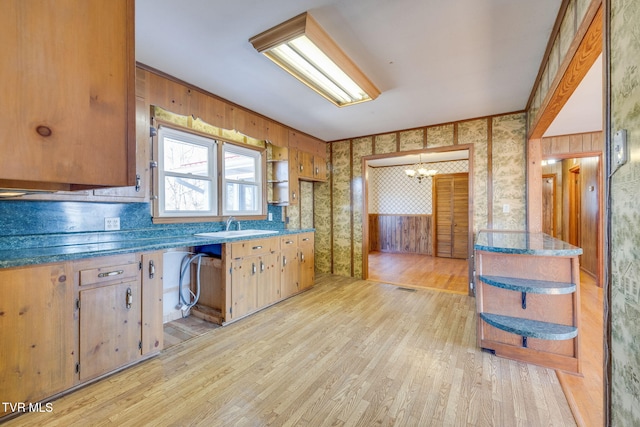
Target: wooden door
[(305, 160), (289, 276), (110, 332), (268, 290), (549, 204), (451, 208), (307, 259), (244, 284), (38, 331), (152, 291)]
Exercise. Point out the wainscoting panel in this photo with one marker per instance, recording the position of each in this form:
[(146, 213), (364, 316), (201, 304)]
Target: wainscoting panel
[(400, 233)]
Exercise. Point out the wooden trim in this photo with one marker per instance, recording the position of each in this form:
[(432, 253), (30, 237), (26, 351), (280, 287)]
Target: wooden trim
[(547, 53), (490, 173), (365, 216), (131, 94), (455, 133), (573, 70), (398, 142), (435, 125), (534, 186), (331, 204), (351, 200)]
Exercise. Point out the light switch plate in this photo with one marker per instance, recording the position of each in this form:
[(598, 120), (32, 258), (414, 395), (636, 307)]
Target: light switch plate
[(619, 154)]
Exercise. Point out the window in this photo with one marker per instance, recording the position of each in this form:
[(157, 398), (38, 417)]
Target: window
[(189, 184), (242, 181), (186, 174)]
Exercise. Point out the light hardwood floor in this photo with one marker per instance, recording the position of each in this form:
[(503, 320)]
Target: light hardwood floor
[(417, 270), (347, 352), (585, 393)]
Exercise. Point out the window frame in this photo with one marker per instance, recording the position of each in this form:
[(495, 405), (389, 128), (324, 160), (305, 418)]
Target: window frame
[(217, 184), (260, 173)]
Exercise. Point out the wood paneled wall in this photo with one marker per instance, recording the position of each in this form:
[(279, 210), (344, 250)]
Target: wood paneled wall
[(400, 233)]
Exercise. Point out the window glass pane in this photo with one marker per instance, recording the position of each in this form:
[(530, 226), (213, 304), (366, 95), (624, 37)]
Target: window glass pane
[(242, 198), (239, 167), (183, 194), (183, 157)]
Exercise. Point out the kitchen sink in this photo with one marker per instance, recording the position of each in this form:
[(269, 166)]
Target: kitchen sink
[(235, 233)]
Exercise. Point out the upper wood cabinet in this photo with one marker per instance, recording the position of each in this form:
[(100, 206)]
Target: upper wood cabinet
[(68, 88), (311, 155)]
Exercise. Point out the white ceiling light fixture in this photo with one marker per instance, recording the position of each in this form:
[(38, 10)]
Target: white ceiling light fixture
[(303, 49)]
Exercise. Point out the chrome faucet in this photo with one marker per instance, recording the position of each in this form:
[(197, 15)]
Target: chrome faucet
[(230, 220)]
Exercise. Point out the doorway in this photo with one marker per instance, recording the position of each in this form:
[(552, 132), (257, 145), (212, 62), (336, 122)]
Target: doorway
[(549, 215), (399, 240)]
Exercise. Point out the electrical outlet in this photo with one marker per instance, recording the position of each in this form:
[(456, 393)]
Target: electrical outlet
[(270, 216), (111, 224)]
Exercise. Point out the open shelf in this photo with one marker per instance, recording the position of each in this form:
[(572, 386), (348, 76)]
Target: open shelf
[(530, 328), (532, 286)]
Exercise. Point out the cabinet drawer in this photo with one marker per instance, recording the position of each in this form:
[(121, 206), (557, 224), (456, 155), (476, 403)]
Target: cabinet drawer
[(109, 274), (289, 241), (305, 239), (254, 247)]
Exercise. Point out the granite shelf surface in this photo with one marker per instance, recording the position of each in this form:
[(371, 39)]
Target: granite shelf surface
[(530, 285), (530, 328), (523, 243), (103, 244)]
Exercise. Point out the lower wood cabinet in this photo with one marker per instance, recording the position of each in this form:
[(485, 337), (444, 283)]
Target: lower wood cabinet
[(253, 274), (38, 326), (67, 323)]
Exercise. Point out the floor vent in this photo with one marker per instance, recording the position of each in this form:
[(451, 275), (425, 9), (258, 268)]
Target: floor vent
[(407, 289)]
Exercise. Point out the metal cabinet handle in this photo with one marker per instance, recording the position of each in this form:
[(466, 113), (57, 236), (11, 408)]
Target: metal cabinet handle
[(256, 248), (288, 242), (293, 195), (317, 170), (138, 183), (284, 260), (301, 257), (301, 167), (306, 239), (152, 269), (111, 273), (253, 268), (261, 267), (129, 298)]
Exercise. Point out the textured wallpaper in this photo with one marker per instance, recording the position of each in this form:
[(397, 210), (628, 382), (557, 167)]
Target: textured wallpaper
[(625, 216), (392, 192), (338, 205)]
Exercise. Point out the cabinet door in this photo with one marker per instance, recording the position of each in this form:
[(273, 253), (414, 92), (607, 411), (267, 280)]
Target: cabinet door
[(109, 328), (38, 332), (268, 290), (244, 286), (305, 160), (319, 168), (152, 290), (68, 99), (140, 190), (294, 184), (307, 270), (290, 274)]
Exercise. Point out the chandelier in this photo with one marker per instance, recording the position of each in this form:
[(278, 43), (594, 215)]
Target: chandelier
[(420, 171)]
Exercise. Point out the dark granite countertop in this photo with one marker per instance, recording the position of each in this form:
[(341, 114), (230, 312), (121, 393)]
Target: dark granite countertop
[(103, 244), (523, 243)]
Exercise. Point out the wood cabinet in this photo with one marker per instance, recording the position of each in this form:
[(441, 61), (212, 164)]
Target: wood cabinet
[(307, 259), (37, 331), (290, 275), (67, 323), (70, 100), (255, 275), (311, 156)]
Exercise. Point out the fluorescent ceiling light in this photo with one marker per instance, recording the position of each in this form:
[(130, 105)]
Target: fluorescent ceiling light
[(303, 49)]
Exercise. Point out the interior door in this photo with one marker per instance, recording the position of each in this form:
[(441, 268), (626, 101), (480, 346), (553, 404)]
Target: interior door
[(451, 207), (549, 204)]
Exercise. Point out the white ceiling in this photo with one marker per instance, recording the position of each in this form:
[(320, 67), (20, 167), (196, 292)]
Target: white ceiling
[(583, 110), (435, 61)]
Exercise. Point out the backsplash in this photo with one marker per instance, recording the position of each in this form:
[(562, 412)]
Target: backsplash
[(43, 223)]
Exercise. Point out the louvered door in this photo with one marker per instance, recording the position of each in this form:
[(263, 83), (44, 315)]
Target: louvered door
[(451, 209)]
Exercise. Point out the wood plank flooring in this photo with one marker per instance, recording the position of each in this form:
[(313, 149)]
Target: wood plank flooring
[(347, 352), (417, 270), (585, 393)]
